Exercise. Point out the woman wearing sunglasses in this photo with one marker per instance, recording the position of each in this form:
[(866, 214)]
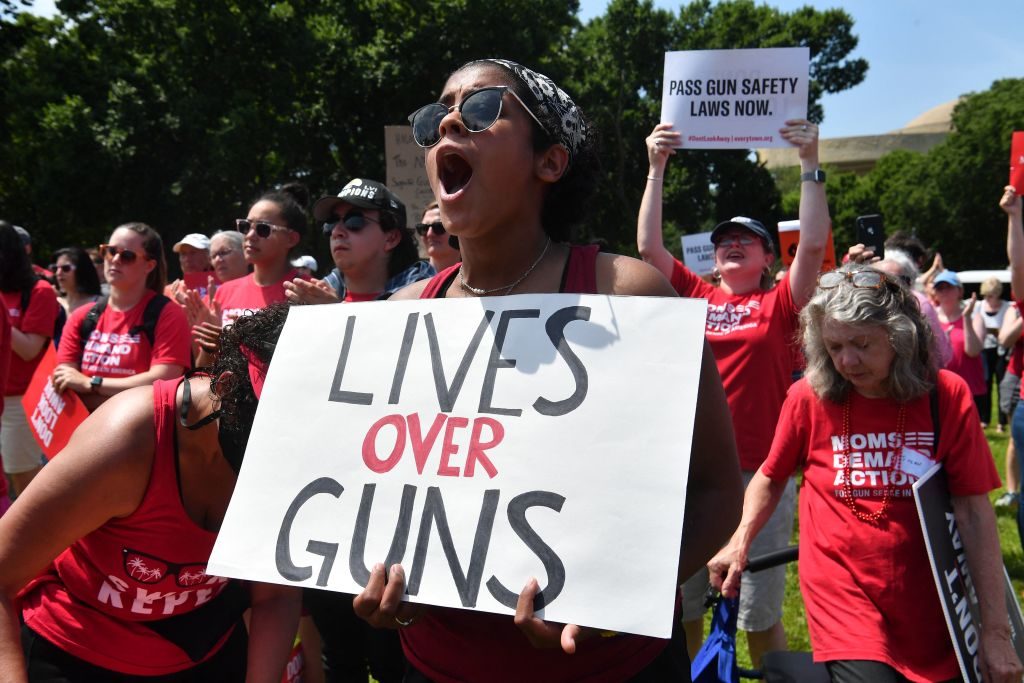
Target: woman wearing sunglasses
[(136, 338), (863, 427), (751, 324), (76, 278), (441, 248), (273, 226), (104, 560), (511, 162)]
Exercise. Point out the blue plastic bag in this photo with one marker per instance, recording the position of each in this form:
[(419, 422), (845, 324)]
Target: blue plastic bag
[(716, 661)]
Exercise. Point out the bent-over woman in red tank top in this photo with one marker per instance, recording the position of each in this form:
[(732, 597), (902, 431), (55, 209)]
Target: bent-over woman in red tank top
[(104, 556)]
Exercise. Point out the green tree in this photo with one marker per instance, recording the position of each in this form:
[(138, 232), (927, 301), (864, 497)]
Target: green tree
[(950, 195), (178, 112), (616, 65)]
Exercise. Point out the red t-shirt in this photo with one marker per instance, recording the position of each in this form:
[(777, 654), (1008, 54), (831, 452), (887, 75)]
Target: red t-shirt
[(243, 294), (94, 600), (113, 351), (353, 297), (868, 590), (752, 337), (5, 364), (38, 319), (971, 369)]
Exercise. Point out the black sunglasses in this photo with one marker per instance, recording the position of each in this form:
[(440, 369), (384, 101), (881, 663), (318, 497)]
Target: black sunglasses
[(479, 110), (63, 268), (354, 221), (263, 228), (110, 252), (423, 228)]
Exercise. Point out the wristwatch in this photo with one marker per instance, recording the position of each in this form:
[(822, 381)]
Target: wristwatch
[(94, 383), (816, 176)]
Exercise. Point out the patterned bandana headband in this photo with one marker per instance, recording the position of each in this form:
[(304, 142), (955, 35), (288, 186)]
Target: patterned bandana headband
[(573, 130)]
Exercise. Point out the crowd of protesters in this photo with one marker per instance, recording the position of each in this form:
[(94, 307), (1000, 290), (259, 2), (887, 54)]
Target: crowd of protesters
[(794, 363)]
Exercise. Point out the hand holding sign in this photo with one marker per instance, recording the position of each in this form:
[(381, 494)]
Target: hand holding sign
[(804, 135), (543, 634), (1011, 202), (381, 605), (661, 144)]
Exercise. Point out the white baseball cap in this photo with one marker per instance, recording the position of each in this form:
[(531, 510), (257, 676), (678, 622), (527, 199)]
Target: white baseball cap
[(306, 261), (195, 239)]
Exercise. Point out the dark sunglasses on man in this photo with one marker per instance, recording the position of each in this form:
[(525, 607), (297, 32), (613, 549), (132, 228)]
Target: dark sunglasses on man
[(354, 221), (110, 252), (423, 228)]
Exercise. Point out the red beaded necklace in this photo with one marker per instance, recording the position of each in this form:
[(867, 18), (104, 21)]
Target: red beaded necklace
[(873, 518)]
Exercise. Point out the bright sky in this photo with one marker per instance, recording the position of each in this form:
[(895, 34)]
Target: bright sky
[(921, 53)]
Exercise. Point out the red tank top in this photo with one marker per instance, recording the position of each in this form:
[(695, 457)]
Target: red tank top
[(453, 645), (93, 600)]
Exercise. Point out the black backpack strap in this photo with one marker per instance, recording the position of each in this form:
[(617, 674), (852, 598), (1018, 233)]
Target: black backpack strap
[(933, 399), (150, 317), (89, 322)]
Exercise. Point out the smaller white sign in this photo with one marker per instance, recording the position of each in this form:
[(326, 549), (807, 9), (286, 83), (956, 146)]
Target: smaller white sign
[(699, 253), (734, 99)]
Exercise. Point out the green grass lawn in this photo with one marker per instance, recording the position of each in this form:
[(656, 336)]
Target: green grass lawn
[(793, 610)]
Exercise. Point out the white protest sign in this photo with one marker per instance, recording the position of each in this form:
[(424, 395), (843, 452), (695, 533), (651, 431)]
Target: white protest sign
[(406, 172), (734, 99), (477, 442), (699, 253)]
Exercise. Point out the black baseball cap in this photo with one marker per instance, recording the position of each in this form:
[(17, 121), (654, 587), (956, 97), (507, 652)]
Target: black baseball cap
[(750, 224), (365, 194)]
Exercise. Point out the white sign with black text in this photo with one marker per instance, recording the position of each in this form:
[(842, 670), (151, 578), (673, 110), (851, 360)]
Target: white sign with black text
[(734, 99), (478, 442), (699, 253)]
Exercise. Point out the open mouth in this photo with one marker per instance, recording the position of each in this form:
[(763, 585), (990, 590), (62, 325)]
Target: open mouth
[(455, 173)]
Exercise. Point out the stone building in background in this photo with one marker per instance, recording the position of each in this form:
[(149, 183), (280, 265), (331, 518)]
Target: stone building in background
[(860, 153)]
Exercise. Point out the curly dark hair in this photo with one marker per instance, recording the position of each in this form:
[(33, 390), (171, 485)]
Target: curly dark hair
[(258, 331), (567, 200)]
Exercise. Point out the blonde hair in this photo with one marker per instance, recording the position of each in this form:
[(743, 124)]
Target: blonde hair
[(992, 286)]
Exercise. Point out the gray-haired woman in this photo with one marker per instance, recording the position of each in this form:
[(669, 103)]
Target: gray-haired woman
[(860, 427)]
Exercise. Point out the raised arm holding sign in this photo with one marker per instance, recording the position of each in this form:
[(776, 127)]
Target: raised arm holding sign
[(750, 324)]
